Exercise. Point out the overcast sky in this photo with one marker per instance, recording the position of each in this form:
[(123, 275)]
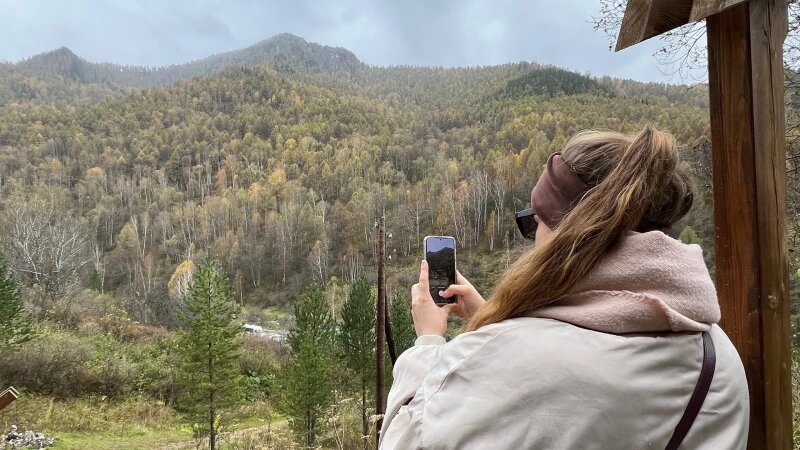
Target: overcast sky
[(379, 32)]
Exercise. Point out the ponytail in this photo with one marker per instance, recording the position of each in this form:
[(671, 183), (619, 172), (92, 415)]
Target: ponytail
[(637, 184)]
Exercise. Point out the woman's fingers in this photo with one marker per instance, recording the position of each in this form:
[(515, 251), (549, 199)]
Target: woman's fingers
[(423, 274), (456, 289), (460, 278)]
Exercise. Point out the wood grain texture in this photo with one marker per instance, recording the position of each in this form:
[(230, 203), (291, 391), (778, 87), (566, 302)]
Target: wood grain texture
[(768, 28), (7, 397), (644, 19), (704, 8), (633, 23), (748, 167)]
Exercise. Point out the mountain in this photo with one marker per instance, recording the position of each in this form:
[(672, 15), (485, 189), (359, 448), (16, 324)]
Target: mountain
[(61, 62), (64, 77), (283, 52)]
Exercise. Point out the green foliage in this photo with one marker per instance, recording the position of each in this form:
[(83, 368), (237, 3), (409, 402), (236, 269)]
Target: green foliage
[(260, 363), (357, 343), (210, 348), (66, 364), (15, 324), (688, 236), (306, 382), (552, 81), (402, 325), (357, 330)]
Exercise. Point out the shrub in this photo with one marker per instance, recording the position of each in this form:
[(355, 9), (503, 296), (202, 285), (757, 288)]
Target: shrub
[(54, 363), (157, 374), (66, 365)]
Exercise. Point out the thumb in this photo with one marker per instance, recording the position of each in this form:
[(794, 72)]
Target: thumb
[(455, 289)]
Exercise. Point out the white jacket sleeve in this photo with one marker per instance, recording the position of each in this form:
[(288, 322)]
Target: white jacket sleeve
[(411, 368)]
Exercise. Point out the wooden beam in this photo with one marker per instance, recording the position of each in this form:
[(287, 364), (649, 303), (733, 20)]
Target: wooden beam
[(745, 52), (8, 396), (644, 19), (705, 8)]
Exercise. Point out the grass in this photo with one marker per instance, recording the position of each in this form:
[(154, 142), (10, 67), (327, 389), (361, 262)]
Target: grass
[(131, 424), (143, 439)]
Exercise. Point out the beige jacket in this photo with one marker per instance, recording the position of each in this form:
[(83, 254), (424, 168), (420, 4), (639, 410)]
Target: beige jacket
[(542, 383)]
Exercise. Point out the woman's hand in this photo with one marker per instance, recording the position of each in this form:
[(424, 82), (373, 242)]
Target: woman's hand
[(429, 319), (468, 300)]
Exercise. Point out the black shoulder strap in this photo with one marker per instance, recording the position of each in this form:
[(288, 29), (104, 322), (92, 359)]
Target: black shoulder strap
[(699, 394)]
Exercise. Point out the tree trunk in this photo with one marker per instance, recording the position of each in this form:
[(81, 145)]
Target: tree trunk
[(364, 423), (310, 425), (212, 435)]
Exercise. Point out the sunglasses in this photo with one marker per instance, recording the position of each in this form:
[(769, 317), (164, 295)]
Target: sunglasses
[(526, 222)]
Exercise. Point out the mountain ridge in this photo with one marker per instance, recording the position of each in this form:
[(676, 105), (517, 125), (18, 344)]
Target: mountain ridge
[(284, 52)]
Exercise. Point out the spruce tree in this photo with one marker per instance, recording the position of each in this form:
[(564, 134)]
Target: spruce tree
[(357, 343), (211, 346), (402, 324), (15, 323), (306, 384)]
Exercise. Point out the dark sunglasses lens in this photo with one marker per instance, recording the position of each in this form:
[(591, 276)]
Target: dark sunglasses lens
[(527, 223)]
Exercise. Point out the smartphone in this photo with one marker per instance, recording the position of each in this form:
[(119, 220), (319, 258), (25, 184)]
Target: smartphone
[(440, 253)]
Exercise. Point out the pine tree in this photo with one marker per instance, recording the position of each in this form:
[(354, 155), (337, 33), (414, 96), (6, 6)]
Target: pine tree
[(306, 384), (15, 324), (357, 343), (402, 324), (211, 347)]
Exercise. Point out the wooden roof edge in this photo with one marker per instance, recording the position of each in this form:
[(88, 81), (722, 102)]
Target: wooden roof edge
[(644, 19)]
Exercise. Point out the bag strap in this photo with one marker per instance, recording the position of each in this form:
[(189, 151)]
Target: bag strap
[(699, 394)]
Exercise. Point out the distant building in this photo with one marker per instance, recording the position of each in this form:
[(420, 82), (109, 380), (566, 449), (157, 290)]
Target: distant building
[(255, 329)]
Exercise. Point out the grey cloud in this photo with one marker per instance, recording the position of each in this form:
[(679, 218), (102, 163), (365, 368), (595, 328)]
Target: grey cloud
[(379, 32)]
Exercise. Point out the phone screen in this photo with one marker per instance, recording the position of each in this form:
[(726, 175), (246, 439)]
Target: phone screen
[(440, 253)]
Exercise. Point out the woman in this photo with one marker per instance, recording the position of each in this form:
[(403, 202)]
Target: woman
[(592, 338)]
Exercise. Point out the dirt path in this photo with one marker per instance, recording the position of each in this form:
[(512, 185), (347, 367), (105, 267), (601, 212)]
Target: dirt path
[(230, 436)]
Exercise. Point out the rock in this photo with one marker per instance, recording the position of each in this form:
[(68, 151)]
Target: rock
[(25, 439)]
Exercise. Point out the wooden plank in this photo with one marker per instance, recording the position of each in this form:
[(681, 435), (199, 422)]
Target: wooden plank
[(644, 19), (633, 23), (8, 396), (733, 175), (703, 9), (768, 28), (748, 168)]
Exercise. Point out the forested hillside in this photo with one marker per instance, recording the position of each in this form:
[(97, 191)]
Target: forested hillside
[(282, 176)]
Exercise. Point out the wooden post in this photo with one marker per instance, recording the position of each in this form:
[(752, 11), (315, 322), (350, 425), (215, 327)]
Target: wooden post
[(746, 79), (389, 336), (380, 327)]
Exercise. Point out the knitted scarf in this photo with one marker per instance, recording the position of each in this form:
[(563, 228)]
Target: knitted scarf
[(646, 282)]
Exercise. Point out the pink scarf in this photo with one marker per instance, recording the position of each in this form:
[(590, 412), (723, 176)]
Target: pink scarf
[(646, 282)]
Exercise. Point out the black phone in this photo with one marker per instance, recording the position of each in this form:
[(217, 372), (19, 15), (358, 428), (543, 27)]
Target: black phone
[(440, 253)]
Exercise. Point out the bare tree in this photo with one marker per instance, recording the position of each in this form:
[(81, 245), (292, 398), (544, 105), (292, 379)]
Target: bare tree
[(684, 53), (319, 259), (683, 50), (48, 246)]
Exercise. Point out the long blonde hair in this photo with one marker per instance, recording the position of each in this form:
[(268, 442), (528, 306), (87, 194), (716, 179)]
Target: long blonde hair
[(638, 183)]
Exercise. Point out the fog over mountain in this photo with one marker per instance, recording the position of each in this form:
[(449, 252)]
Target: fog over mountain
[(382, 32)]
